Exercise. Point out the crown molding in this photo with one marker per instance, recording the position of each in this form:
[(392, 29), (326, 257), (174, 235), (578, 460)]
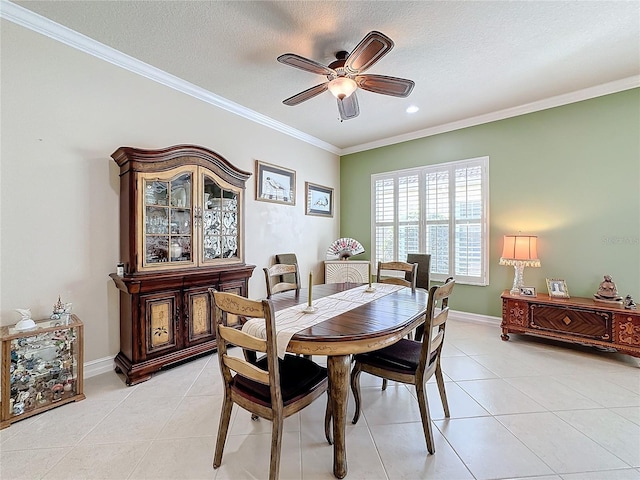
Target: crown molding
[(551, 102), (28, 19)]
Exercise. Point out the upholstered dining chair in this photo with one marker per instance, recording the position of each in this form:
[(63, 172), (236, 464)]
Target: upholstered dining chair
[(272, 388), (274, 274), (422, 279), (412, 362)]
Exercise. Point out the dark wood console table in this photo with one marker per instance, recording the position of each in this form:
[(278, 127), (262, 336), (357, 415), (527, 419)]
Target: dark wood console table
[(576, 320)]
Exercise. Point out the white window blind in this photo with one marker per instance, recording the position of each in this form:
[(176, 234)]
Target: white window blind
[(439, 209)]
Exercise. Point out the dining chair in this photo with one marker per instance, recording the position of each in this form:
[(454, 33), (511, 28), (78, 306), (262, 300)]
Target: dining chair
[(273, 276), (386, 270), (289, 259), (281, 278), (272, 388), (412, 362), (408, 280)]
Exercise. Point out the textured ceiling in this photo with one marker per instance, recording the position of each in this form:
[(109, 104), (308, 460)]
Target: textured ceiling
[(467, 59)]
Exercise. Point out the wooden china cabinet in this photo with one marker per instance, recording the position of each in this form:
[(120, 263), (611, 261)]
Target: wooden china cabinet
[(181, 233)]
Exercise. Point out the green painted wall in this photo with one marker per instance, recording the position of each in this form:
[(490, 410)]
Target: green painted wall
[(570, 175)]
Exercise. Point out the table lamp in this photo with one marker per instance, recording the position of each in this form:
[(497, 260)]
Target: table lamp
[(520, 251)]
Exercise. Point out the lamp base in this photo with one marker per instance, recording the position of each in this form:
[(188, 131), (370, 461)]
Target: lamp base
[(518, 279)]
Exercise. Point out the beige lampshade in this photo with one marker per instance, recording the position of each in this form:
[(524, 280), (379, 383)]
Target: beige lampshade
[(522, 248)]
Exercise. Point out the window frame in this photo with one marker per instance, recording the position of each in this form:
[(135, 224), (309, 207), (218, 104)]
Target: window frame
[(422, 223)]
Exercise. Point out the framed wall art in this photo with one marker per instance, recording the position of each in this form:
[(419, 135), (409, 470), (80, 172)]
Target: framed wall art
[(557, 288), (275, 184), (319, 200)]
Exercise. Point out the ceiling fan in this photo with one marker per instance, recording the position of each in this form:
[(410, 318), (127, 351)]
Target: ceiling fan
[(345, 75)]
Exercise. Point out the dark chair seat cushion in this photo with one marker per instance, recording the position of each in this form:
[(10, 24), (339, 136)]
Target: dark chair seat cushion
[(298, 376), (401, 357)]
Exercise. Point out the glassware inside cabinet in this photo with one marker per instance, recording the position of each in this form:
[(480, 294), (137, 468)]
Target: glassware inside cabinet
[(168, 224), (157, 221), (181, 191), (220, 221), (157, 248), (155, 193)]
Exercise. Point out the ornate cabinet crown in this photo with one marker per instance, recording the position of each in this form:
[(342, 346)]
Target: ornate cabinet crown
[(181, 233)]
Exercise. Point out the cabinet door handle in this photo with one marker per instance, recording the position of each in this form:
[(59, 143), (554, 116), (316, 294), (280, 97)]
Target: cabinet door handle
[(197, 216)]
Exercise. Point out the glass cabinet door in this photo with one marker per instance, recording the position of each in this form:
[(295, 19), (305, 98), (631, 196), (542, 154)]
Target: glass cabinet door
[(168, 228), (220, 220)]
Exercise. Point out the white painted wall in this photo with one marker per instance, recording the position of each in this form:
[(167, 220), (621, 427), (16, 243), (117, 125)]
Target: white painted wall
[(63, 114)]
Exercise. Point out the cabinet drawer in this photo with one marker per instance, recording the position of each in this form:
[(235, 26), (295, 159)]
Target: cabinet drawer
[(585, 323)]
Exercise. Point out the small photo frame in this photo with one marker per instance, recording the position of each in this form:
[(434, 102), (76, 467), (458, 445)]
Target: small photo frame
[(528, 291), (319, 200), (275, 184), (557, 288)]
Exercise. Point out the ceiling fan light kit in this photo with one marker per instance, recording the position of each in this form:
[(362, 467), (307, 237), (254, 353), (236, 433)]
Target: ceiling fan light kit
[(342, 87), (344, 75)]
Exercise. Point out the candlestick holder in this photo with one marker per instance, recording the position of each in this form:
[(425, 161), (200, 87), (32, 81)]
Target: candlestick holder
[(370, 289), (309, 309)]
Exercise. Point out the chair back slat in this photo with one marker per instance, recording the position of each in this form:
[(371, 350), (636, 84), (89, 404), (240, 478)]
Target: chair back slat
[(437, 341), (283, 287), (243, 340), (400, 266), (281, 269), (275, 276), (396, 281), (246, 369), (409, 269), (238, 305), (441, 317)]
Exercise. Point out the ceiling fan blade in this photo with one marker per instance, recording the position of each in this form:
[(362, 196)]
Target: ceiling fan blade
[(397, 87), (372, 48), (306, 95), (348, 107), (305, 64)]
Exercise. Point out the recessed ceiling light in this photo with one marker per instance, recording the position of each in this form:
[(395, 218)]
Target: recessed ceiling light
[(412, 109)]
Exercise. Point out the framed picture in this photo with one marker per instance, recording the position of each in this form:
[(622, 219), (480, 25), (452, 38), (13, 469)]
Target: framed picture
[(557, 288), (528, 291), (275, 184), (319, 200)]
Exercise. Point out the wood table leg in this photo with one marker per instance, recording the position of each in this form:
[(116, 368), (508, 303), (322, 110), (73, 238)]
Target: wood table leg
[(338, 367)]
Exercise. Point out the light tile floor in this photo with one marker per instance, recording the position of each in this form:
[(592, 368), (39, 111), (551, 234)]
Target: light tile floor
[(527, 408)]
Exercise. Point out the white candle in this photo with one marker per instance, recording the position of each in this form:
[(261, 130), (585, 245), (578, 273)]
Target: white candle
[(310, 285)]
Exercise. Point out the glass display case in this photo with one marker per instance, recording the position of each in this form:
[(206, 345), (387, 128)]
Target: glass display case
[(189, 217), (181, 233), (41, 368)]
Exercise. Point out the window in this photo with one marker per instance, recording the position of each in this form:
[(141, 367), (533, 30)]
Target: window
[(439, 209)]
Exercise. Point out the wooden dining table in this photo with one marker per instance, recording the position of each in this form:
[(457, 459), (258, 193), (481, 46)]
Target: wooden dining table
[(370, 326)]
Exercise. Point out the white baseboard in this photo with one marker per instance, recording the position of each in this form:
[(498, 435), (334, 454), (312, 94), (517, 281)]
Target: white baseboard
[(475, 318), (104, 365), (96, 367)]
